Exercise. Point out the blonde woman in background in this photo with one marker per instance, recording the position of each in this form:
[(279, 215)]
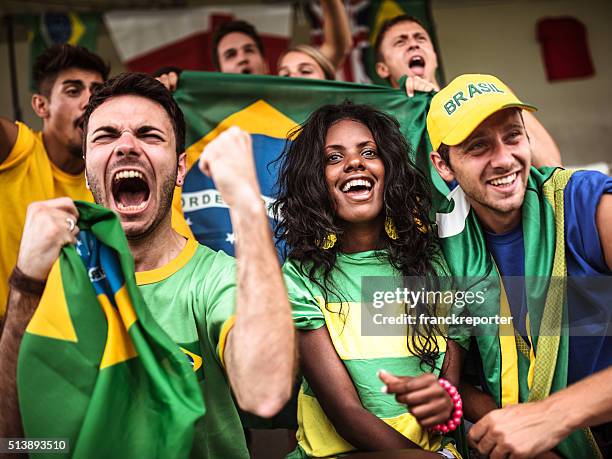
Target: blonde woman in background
[(305, 61)]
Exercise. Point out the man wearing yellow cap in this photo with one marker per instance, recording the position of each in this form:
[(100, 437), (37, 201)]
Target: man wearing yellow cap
[(550, 371)]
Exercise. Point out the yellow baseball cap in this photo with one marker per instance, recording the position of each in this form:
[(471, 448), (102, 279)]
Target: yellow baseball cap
[(463, 104)]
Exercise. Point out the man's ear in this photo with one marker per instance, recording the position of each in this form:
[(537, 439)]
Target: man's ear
[(382, 70), (40, 105), (181, 169), (442, 167)]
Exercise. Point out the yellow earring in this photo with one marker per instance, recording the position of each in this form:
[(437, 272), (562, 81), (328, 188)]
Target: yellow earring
[(328, 242), (390, 228), (422, 228)]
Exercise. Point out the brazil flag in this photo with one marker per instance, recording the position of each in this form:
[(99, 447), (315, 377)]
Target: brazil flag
[(51, 28), (269, 107), (94, 367)]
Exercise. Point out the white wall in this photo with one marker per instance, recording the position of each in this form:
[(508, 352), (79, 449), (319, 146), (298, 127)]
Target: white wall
[(499, 37)]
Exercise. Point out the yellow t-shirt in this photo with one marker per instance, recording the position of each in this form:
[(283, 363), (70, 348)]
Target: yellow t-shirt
[(28, 175)]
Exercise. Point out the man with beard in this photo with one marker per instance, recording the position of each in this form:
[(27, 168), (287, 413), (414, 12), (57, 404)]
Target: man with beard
[(236, 311), (404, 48), (35, 166), (545, 378), (525, 223)]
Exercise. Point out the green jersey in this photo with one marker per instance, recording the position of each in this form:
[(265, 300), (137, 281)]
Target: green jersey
[(362, 355), (193, 300)]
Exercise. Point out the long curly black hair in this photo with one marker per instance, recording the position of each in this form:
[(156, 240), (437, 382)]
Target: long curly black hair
[(306, 215)]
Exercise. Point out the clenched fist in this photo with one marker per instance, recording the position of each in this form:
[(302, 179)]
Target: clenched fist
[(228, 160), (49, 225)]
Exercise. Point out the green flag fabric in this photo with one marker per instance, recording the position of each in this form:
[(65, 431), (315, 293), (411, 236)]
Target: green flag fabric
[(512, 371), (94, 367), (269, 107), (51, 28)]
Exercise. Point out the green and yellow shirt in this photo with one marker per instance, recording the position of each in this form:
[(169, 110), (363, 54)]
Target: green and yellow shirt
[(362, 355), (193, 300)]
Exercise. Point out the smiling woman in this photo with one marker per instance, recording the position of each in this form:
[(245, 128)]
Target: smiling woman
[(351, 205), (355, 177), (338, 144)]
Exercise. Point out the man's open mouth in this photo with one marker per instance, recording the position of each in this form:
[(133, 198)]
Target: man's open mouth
[(130, 190), (357, 187), (416, 62)]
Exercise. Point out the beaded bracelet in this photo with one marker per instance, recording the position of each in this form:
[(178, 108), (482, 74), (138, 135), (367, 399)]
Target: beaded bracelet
[(455, 419)]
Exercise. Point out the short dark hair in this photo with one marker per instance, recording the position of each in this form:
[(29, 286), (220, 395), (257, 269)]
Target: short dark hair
[(61, 57), (444, 152), (384, 28), (138, 84), (230, 27)]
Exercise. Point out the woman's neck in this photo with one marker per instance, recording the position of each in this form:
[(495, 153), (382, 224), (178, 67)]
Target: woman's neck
[(360, 237)]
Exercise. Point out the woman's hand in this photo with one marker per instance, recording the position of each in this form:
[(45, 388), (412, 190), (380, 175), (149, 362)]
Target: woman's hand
[(427, 401)]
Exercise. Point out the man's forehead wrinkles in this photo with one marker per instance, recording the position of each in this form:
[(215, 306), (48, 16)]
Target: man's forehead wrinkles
[(105, 127), (405, 33), (130, 113), (143, 126)]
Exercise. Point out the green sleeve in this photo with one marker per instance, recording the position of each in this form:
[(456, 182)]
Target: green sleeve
[(220, 300), (307, 314)]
